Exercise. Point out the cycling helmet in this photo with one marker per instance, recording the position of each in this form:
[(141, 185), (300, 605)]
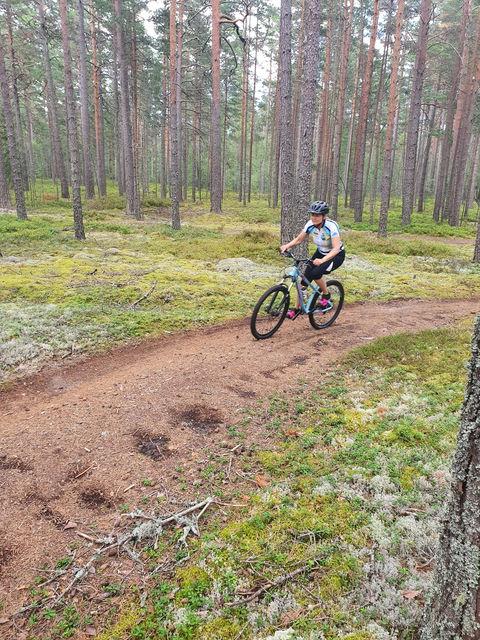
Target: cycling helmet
[(318, 208)]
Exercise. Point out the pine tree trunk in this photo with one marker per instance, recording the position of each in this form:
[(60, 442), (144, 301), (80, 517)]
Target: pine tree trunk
[(410, 165), (216, 170), (464, 116), (131, 193), (308, 93), (438, 209), (84, 118), (181, 167), (426, 156), (342, 82), (97, 103), (15, 98), (357, 197), (117, 125), (252, 117), (476, 252), (52, 105), (174, 148), (71, 124), (473, 176), (353, 111), (322, 146), (15, 160), (453, 612), (290, 226), (163, 143), (276, 149), (5, 200), (135, 110), (247, 103), (30, 136), (392, 107), (297, 90)]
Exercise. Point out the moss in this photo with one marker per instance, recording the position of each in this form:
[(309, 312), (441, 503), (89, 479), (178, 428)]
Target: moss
[(407, 477), (223, 628), (128, 618)]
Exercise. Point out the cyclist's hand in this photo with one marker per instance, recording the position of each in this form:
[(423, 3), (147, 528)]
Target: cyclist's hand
[(317, 262), (283, 248)]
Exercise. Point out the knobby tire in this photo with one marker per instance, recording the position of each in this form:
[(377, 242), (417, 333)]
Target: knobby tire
[(323, 319), (269, 312)]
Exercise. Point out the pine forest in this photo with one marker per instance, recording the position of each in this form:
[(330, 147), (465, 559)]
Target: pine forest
[(208, 431)]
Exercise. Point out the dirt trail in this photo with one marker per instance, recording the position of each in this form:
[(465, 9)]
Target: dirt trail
[(78, 441)]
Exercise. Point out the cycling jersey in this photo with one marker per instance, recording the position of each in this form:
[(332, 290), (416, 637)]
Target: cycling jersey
[(322, 237)]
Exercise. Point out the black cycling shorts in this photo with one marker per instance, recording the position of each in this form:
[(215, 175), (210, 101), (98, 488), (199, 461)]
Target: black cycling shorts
[(315, 273)]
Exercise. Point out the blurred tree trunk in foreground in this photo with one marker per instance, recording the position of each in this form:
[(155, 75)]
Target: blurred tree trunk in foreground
[(454, 609)]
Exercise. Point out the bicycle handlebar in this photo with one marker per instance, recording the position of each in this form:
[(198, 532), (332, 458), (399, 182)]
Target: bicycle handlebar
[(289, 254)]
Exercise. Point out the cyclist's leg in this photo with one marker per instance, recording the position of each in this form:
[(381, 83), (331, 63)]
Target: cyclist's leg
[(326, 268)]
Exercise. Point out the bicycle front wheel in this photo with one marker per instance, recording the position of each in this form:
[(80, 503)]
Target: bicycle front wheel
[(270, 312), (323, 318)]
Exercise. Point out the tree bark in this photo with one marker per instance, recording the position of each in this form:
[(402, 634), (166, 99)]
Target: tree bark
[(15, 97), (464, 117), (392, 107), (5, 200), (15, 161), (322, 146), (476, 252), (117, 125), (252, 117), (453, 612), (448, 130), (354, 107), (342, 83), (131, 192), (52, 103), (97, 104), (84, 117), (473, 176), (409, 170), (426, 156), (290, 225), (308, 100), (71, 124), (174, 147), (216, 166), (297, 85), (357, 197)]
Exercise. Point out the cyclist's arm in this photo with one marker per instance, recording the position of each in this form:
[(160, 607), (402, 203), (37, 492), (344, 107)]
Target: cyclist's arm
[(336, 244), (298, 240)]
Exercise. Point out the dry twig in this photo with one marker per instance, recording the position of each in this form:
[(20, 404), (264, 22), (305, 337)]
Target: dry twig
[(278, 582), (145, 295)]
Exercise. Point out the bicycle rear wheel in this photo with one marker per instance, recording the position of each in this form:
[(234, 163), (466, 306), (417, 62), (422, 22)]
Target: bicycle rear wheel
[(270, 312), (323, 318)]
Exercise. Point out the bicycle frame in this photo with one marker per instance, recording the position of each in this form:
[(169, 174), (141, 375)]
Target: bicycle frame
[(296, 277)]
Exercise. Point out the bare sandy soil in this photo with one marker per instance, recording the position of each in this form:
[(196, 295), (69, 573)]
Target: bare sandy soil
[(80, 440)]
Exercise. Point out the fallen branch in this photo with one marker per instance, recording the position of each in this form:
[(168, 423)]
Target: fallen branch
[(152, 529), (278, 582), (145, 295)]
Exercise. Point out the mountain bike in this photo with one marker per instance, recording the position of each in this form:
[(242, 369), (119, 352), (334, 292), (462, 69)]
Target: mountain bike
[(271, 308)]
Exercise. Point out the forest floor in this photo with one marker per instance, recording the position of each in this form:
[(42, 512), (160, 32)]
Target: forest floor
[(326, 453), (83, 443)]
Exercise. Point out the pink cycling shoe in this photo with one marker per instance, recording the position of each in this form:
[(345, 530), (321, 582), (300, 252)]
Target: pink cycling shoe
[(292, 313)]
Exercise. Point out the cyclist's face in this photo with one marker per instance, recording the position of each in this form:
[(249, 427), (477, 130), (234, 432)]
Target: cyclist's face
[(317, 219)]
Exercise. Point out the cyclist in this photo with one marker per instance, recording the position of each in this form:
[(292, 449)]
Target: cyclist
[(329, 254)]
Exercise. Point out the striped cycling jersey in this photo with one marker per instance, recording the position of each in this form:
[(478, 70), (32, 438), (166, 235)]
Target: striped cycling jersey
[(322, 237)]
